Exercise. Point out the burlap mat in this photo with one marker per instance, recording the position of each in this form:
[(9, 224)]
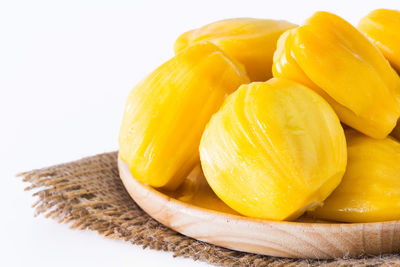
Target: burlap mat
[(88, 194)]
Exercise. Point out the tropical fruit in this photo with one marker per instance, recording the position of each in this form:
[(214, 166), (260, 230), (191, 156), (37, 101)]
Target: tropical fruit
[(250, 41), (370, 190), (337, 61), (274, 150), (166, 113)]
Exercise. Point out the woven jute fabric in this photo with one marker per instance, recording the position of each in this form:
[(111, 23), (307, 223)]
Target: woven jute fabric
[(88, 194)]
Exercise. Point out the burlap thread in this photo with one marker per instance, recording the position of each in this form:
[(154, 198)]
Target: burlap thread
[(88, 194)]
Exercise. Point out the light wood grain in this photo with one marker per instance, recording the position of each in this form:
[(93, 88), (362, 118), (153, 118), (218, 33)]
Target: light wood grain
[(282, 239)]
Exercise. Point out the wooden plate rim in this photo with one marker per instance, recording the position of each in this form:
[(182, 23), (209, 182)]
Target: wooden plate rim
[(206, 212)]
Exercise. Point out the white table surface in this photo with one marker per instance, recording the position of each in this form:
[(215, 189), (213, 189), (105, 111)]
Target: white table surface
[(66, 68)]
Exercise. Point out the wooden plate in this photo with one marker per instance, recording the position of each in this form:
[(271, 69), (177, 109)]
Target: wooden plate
[(316, 240)]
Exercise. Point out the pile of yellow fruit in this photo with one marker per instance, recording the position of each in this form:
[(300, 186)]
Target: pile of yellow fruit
[(285, 119)]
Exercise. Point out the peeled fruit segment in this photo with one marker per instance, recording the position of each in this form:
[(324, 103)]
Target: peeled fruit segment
[(334, 59), (250, 41), (370, 189), (382, 27), (166, 113), (274, 150)]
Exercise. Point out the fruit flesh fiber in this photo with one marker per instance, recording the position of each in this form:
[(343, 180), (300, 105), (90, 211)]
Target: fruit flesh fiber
[(250, 41), (274, 150), (370, 189), (331, 57), (166, 113)]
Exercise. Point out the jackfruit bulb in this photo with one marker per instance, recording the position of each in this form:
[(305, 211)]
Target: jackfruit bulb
[(370, 190), (274, 150), (382, 27), (166, 113), (250, 41), (333, 58)]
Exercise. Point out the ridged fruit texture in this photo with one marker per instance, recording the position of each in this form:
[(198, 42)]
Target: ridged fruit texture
[(274, 150), (250, 41), (166, 113), (337, 61), (370, 190)]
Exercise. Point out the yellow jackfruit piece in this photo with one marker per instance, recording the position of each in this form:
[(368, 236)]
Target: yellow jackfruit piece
[(166, 113), (334, 59), (250, 41), (370, 189), (273, 150), (382, 27)]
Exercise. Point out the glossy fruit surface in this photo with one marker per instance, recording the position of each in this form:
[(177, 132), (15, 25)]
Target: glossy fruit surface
[(274, 150), (337, 61), (382, 27), (370, 189), (250, 41), (195, 190), (166, 113)]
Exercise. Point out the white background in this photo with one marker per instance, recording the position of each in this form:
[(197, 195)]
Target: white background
[(65, 70)]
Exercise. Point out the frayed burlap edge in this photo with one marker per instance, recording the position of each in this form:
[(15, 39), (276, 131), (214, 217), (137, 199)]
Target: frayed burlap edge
[(88, 194)]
